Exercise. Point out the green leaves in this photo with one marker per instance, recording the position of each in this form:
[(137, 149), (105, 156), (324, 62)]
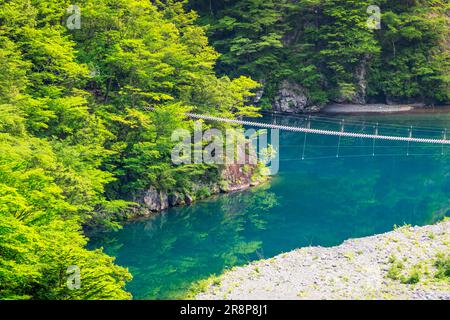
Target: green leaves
[(246, 32), (34, 262), (77, 141), (40, 236), (412, 44), (323, 44)]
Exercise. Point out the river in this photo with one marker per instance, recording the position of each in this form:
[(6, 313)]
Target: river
[(319, 201)]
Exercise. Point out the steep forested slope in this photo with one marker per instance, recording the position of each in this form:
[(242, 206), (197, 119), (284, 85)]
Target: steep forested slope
[(325, 49)]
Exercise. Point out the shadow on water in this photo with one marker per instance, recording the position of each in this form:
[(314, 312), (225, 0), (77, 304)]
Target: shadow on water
[(322, 200)]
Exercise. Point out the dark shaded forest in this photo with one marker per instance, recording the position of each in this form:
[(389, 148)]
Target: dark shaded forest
[(327, 48)]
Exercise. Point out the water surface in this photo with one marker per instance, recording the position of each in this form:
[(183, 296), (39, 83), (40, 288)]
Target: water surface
[(339, 191)]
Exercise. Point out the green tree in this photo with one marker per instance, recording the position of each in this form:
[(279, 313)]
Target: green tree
[(77, 139)]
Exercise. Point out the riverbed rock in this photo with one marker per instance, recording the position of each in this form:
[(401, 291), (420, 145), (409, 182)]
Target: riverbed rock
[(367, 108)]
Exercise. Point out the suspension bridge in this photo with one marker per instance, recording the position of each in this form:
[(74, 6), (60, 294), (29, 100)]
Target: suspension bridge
[(340, 133), (346, 129)]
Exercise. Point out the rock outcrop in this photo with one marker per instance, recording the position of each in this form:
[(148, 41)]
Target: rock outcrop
[(358, 94), (154, 200), (176, 199), (292, 98), (237, 177), (233, 177)]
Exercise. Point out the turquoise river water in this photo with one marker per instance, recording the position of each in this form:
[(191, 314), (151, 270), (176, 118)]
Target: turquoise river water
[(319, 201)]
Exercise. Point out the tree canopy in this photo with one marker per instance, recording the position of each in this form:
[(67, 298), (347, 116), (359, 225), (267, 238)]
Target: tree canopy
[(76, 139), (327, 47)]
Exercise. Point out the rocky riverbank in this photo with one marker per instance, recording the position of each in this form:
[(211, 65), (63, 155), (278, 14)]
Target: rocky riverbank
[(232, 178), (408, 263), (222, 178)]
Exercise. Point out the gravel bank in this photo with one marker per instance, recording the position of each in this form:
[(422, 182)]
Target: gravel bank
[(367, 108), (396, 265)]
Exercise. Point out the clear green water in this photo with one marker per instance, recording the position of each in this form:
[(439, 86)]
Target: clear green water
[(322, 200)]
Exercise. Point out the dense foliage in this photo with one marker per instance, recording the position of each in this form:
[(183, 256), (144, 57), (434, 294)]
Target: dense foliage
[(327, 47), (76, 138)]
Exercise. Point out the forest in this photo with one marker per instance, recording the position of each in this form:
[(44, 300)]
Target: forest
[(77, 141), (75, 138), (326, 47)]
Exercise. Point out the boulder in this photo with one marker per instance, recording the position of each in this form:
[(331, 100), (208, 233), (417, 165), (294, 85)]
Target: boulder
[(176, 199), (189, 199), (291, 98), (155, 200)]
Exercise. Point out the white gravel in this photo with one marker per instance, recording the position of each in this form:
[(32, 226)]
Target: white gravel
[(357, 269)]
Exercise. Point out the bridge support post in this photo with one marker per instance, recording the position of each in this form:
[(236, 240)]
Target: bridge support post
[(409, 142), (375, 134), (443, 138), (340, 137), (308, 126)]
